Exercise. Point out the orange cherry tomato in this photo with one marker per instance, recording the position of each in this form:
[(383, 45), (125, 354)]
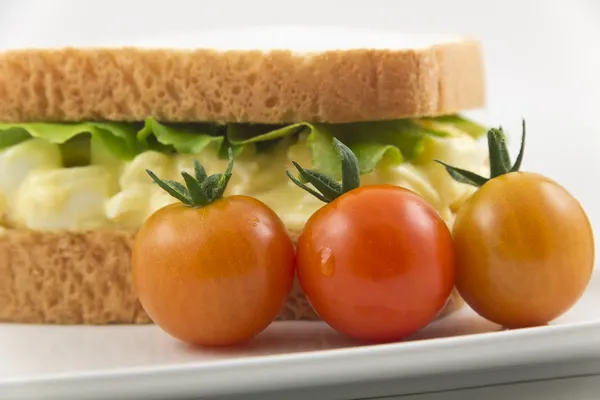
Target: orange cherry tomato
[(376, 263), (524, 250), (524, 246), (213, 275)]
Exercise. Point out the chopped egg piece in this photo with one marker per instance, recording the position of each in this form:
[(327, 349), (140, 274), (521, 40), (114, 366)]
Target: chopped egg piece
[(3, 209), (462, 152), (134, 172), (18, 162), (68, 198), (128, 207), (160, 199)]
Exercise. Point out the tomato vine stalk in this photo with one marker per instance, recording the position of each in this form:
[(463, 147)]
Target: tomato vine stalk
[(500, 162), (199, 190)]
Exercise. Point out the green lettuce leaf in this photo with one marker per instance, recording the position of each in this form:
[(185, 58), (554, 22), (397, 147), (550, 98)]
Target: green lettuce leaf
[(391, 142), (372, 142), (118, 138), (77, 151), (121, 140), (12, 136), (185, 139), (324, 156), (448, 125)]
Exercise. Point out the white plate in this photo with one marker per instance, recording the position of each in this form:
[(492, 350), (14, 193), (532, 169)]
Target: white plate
[(141, 361)]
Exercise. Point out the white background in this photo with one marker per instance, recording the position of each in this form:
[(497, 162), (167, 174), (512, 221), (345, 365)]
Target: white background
[(542, 57)]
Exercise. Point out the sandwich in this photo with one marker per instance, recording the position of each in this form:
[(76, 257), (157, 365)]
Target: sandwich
[(79, 127)]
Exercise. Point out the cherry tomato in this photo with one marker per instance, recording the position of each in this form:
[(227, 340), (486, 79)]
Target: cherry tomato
[(376, 263), (524, 249), (213, 275)]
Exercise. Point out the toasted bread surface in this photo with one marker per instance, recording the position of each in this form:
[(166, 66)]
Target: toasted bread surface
[(85, 278), (256, 86)]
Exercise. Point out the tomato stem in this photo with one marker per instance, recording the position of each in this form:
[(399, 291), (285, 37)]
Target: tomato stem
[(500, 163), (327, 188), (517, 164), (199, 190), (498, 151)]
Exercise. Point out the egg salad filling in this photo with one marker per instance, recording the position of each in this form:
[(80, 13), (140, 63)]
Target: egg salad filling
[(93, 175)]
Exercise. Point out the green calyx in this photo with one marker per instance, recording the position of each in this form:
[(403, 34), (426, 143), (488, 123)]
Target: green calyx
[(327, 188), (500, 162), (199, 190)]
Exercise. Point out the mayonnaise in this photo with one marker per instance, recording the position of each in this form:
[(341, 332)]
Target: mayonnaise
[(50, 197)]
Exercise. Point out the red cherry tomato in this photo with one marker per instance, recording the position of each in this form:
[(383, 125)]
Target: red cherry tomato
[(377, 263)]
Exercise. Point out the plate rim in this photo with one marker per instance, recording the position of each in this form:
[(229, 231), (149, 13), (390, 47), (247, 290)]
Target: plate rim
[(486, 350)]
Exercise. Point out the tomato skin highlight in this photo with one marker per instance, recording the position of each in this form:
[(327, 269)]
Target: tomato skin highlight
[(377, 263), (214, 275), (524, 250)]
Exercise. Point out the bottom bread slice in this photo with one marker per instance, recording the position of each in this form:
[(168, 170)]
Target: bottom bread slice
[(85, 278)]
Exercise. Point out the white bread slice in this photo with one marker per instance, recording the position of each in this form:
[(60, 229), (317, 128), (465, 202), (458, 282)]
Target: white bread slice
[(285, 75), (85, 278)]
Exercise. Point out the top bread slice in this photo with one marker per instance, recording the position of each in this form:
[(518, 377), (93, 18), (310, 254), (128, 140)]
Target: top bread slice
[(242, 85)]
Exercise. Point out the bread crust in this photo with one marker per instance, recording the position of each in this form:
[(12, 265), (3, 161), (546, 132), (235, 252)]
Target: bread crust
[(85, 278), (130, 84)]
